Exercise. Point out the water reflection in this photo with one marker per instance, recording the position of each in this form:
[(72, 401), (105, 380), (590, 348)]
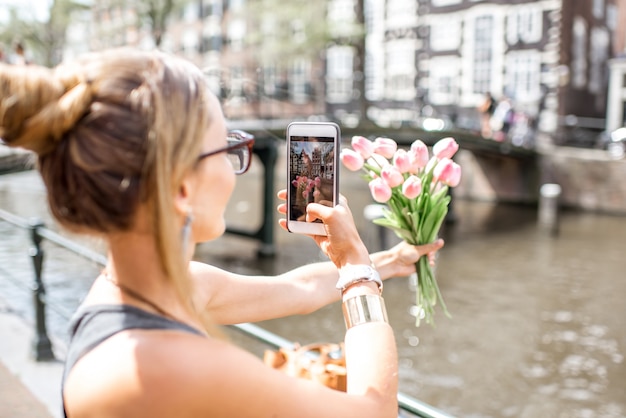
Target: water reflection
[(537, 321)]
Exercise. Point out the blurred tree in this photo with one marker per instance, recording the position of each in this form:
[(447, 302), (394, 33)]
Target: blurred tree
[(43, 40), (153, 14)]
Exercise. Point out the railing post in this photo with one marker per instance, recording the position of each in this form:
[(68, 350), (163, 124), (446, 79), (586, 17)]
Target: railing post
[(41, 345)]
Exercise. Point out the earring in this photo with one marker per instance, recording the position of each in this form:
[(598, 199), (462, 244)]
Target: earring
[(186, 232)]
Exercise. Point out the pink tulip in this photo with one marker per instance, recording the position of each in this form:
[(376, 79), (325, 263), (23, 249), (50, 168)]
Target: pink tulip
[(378, 160), (445, 148), (447, 172), (363, 146), (431, 164), (351, 159), (412, 187), (402, 160), (381, 192), (392, 176), (385, 147), (419, 156)]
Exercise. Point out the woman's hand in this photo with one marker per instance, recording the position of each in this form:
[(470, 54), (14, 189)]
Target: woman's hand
[(342, 244), (399, 261)]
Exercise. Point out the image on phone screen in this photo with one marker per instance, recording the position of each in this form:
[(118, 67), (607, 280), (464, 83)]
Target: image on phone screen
[(312, 173)]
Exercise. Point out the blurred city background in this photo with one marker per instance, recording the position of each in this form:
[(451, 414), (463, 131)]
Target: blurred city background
[(535, 93)]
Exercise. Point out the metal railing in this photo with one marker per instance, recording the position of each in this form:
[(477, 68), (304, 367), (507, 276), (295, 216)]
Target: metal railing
[(42, 344)]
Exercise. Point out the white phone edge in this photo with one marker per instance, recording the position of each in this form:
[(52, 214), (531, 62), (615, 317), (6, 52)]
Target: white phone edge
[(329, 129)]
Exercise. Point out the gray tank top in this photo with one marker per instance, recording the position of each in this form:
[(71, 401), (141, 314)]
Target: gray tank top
[(92, 325)]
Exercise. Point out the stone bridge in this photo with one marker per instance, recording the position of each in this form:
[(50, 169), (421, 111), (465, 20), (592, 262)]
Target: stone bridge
[(494, 171)]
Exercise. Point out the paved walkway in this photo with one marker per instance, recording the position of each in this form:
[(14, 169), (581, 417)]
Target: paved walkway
[(28, 389)]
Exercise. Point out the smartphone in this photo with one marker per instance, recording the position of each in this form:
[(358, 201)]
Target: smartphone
[(312, 171)]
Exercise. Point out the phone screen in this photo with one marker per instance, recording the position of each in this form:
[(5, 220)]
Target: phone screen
[(311, 173)]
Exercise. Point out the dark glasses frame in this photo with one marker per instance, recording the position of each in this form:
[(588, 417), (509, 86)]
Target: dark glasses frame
[(236, 139)]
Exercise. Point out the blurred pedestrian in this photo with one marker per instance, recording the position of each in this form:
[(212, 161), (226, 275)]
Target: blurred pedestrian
[(486, 109), (502, 119), (19, 55)]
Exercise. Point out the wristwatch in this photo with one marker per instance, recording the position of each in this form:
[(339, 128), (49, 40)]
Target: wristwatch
[(352, 274)]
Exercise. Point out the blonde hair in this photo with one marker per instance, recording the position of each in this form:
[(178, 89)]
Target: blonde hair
[(112, 130)]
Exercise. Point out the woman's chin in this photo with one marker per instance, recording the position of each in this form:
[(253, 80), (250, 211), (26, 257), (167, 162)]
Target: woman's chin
[(217, 231)]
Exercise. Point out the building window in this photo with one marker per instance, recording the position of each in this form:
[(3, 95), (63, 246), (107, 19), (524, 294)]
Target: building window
[(341, 11), (211, 38), (611, 16), (190, 41), (190, 13), (483, 35), (236, 5), (598, 9), (401, 13), (298, 81), (375, 55), (445, 35), (374, 15), (374, 76), (444, 75), (210, 8), (236, 82), (401, 72), (236, 33), (522, 75), (579, 53), (598, 56), (341, 17), (339, 74), (524, 25), (269, 80)]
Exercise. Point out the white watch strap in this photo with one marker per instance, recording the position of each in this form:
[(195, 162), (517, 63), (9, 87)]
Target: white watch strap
[(352, 274)]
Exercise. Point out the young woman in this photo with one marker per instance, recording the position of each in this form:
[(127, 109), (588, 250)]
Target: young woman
[(133, 148)]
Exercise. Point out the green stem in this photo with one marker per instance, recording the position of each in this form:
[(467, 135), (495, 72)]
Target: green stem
[(428, 293)]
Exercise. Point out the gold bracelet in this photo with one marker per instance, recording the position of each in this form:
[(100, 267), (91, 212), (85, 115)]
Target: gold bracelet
[(364, 308)]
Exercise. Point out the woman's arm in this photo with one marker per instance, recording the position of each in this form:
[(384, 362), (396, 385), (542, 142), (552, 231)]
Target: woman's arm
[(233, 298)]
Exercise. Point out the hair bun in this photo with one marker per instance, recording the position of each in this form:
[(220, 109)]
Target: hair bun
[(37, 107)]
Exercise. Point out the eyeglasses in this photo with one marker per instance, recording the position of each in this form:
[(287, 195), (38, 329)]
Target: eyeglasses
[(238, 150)]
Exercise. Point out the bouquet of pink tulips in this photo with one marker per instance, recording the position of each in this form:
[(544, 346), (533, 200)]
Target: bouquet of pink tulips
[(414, 187)]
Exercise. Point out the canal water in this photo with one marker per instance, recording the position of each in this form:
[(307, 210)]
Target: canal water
[(537, 327)]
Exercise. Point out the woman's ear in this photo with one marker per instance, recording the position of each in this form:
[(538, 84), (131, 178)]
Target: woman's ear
[(182, 201)]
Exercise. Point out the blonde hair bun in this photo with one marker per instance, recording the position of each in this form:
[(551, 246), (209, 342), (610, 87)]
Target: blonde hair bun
[(39, 105)]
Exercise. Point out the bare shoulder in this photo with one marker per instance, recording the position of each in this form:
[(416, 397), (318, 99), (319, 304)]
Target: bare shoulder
[(197, 268), (165, 374)]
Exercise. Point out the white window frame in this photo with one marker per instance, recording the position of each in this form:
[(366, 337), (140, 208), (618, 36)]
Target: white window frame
[(444, 71), (341, 17), (524, 24), (299, 77), (375, 53), (598, 9), (340, 74), (445, 34), (482, 67), (523, 76), (598, 57), (190, 41), (401, 13), (579, 53), (236, 33), (400, 71)]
